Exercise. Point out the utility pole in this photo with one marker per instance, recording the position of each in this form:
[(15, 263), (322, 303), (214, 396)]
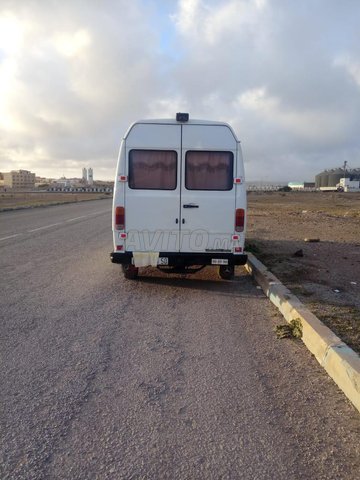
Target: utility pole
[(345, 164)]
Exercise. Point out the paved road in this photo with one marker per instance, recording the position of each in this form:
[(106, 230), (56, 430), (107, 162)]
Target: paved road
[(161, 378)]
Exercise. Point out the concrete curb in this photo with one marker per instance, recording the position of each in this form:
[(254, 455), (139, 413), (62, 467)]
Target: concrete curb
[(339, 360)]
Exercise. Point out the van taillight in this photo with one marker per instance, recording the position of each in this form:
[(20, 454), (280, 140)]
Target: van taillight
[(239, 220), (120, 218)]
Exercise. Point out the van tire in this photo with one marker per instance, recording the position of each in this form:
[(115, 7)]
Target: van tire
[(130, 272), (226, 272)]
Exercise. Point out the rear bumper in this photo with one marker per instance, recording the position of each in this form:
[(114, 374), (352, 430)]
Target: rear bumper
[(177, 259)]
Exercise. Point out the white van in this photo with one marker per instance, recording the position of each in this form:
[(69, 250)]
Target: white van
[(179, 197)]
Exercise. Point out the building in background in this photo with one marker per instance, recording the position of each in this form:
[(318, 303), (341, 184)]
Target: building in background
[(64, 182), (330, 179), (87, 176), (90, 177), (19, 179), (43, 182), (347, 185), (301, 185), (296, 185)]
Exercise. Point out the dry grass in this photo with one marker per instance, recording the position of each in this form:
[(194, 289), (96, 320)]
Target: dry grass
[(343, 321), (14, 200), (327, 277), (333, 204)]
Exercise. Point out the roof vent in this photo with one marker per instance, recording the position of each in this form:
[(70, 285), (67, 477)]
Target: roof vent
[(182, 117)]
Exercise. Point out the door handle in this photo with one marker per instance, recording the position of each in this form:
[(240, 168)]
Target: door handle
[(190, 205), (176, 220)]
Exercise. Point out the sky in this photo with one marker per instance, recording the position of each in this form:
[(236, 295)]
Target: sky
[(74, 74)]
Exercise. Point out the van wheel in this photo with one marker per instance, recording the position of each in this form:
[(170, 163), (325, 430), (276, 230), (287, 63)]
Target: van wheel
[(130, 272), (226, 272)]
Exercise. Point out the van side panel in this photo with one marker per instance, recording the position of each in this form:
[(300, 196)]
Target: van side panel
[(241, 200), (119, 194)]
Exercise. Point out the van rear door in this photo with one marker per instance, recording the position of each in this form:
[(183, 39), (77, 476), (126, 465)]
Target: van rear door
[(207, 200), (153, 188)]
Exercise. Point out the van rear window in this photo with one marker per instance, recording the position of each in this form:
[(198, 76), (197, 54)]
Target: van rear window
[(153, 169), (209, 170)]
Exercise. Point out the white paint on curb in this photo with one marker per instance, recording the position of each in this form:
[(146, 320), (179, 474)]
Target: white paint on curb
[(340, 362)]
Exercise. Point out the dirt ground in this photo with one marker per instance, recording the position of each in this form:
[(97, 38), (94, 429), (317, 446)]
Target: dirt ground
[(13, 200), (325, 275)]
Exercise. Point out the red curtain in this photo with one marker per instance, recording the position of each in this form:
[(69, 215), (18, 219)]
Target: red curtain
[(152, 169), (209, 170)]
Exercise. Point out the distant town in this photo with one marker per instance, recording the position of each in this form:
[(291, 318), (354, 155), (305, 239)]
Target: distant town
[(24, 180), (337, 179)]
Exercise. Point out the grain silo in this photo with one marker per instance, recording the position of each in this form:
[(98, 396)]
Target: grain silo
[(318, 180), (331, 178), (354, 174), (324, 178), (334, 177)]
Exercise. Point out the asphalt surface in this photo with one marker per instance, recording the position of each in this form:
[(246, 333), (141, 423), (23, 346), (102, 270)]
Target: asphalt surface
[(161, 378)]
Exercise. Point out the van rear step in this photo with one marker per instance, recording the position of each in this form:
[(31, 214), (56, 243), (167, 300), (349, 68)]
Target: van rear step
[(180, 260)]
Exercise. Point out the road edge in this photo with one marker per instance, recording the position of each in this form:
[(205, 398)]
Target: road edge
[(340, 362), (44, 205)]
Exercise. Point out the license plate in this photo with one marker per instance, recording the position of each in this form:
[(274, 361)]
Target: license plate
[(219, 261), (163, 261)]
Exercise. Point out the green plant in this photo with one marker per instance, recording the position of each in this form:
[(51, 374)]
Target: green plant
[(289, 330)]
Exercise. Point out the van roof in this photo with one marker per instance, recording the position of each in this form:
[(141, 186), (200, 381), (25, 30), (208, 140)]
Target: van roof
[(172, 121)]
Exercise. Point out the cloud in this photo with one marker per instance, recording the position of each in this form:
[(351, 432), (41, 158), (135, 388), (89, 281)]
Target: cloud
[(351, 66), (270, 68), (11, 34), (209, 22), (73, 44), (77, 77), (310, 125), (74, 75)]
